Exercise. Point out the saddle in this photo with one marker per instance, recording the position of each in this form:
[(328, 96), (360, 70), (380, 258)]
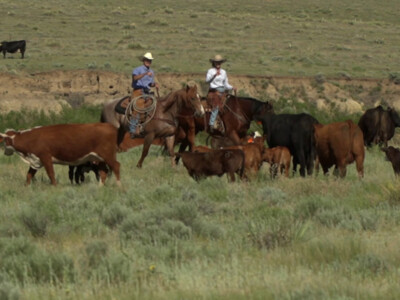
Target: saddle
[(141, 103)]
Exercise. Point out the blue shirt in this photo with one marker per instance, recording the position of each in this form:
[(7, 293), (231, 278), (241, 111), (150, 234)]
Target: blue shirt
[(145, 81)]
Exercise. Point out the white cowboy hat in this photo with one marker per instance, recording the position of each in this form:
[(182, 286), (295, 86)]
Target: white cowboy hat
[(147, 56), (217, 58)]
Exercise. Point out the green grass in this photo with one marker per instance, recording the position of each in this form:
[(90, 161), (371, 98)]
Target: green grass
[(309, 37), (165, 236)]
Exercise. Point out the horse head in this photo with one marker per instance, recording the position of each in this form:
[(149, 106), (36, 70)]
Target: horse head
[(194, 100), (261, 109)]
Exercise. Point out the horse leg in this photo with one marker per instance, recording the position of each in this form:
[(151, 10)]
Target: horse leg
[(234, 137), (182, 148), (169, 141), (148, 139)]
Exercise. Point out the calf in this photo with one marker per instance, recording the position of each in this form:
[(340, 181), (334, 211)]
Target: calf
[(253, 156), (340, 144), (279, 158), (393, 155), (216, 162), (78, 172), (201, 148), (68, 144), (12, 47)]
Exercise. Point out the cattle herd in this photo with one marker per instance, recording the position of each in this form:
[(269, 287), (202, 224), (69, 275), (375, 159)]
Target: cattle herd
[(94, 147)]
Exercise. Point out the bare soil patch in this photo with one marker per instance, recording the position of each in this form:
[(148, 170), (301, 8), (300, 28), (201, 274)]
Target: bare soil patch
[(49, 91)]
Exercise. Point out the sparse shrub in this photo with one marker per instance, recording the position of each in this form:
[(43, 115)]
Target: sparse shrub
[(370, 264), (272, 195), (369, 220), (76, 100), (177, 229), (114, 215), (35, 221), (332, 217), (274, 233), (9, 292), (96, 253), (22, 261), (395, 77), (92, 65), (136, 46)]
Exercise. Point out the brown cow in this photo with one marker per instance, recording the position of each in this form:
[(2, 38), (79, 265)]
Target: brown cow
[(68, 144), (216, 162), (393, 155), (340, 144), (253, 156), (279, 158)]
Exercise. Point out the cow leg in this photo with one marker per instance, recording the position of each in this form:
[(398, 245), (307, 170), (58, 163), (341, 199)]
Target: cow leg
[(232, 176), (79, 177), (302, 161), (169, 141), (71, 173), (148, 139), (360, 166), (48, 165), (29, 176), (102, 173), (115, 168)]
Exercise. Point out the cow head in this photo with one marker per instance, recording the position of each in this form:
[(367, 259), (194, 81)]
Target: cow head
[(8, 139), (394, 116)]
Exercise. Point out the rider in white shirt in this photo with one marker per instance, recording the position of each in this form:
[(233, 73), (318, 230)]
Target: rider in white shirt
[(218, 80)]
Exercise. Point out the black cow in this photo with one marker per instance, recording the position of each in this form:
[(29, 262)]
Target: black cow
[(78, 172), (12, 47), (378, 125), (296, 132)]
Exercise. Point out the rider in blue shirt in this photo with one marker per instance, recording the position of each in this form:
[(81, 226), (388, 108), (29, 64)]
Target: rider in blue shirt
[(142, 81)]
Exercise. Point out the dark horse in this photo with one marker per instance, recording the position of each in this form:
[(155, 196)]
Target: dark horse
[(237, 115), (164, 122)]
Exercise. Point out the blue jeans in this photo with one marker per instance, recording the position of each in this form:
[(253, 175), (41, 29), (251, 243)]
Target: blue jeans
[(133, 123), (213, 117)]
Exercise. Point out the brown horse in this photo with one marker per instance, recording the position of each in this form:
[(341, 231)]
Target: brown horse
[(164, 122), (237, 115)]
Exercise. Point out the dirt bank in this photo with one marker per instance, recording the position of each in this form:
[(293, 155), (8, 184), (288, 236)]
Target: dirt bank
[(50, 90)]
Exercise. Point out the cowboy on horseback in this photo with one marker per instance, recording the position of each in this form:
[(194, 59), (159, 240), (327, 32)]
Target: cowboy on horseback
[(142, 81), (218, 80)]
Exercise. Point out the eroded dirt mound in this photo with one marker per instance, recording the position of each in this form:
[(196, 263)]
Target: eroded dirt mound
[(51, 90)]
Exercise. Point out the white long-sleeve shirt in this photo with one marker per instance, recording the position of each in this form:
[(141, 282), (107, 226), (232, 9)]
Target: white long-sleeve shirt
[(220, 81)]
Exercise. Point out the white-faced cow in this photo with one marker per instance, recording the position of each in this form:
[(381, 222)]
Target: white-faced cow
[(67, 144), (378, 125), (12, 47)]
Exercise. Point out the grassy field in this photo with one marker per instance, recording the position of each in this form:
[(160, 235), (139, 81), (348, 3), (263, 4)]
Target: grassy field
[(334, 38), (164, 236)]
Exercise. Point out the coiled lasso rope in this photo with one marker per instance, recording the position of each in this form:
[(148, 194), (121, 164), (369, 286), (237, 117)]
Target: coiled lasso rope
[(132, 106)]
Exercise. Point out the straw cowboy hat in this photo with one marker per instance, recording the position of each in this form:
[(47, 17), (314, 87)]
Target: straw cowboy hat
[(147, 56), (217, 58)]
